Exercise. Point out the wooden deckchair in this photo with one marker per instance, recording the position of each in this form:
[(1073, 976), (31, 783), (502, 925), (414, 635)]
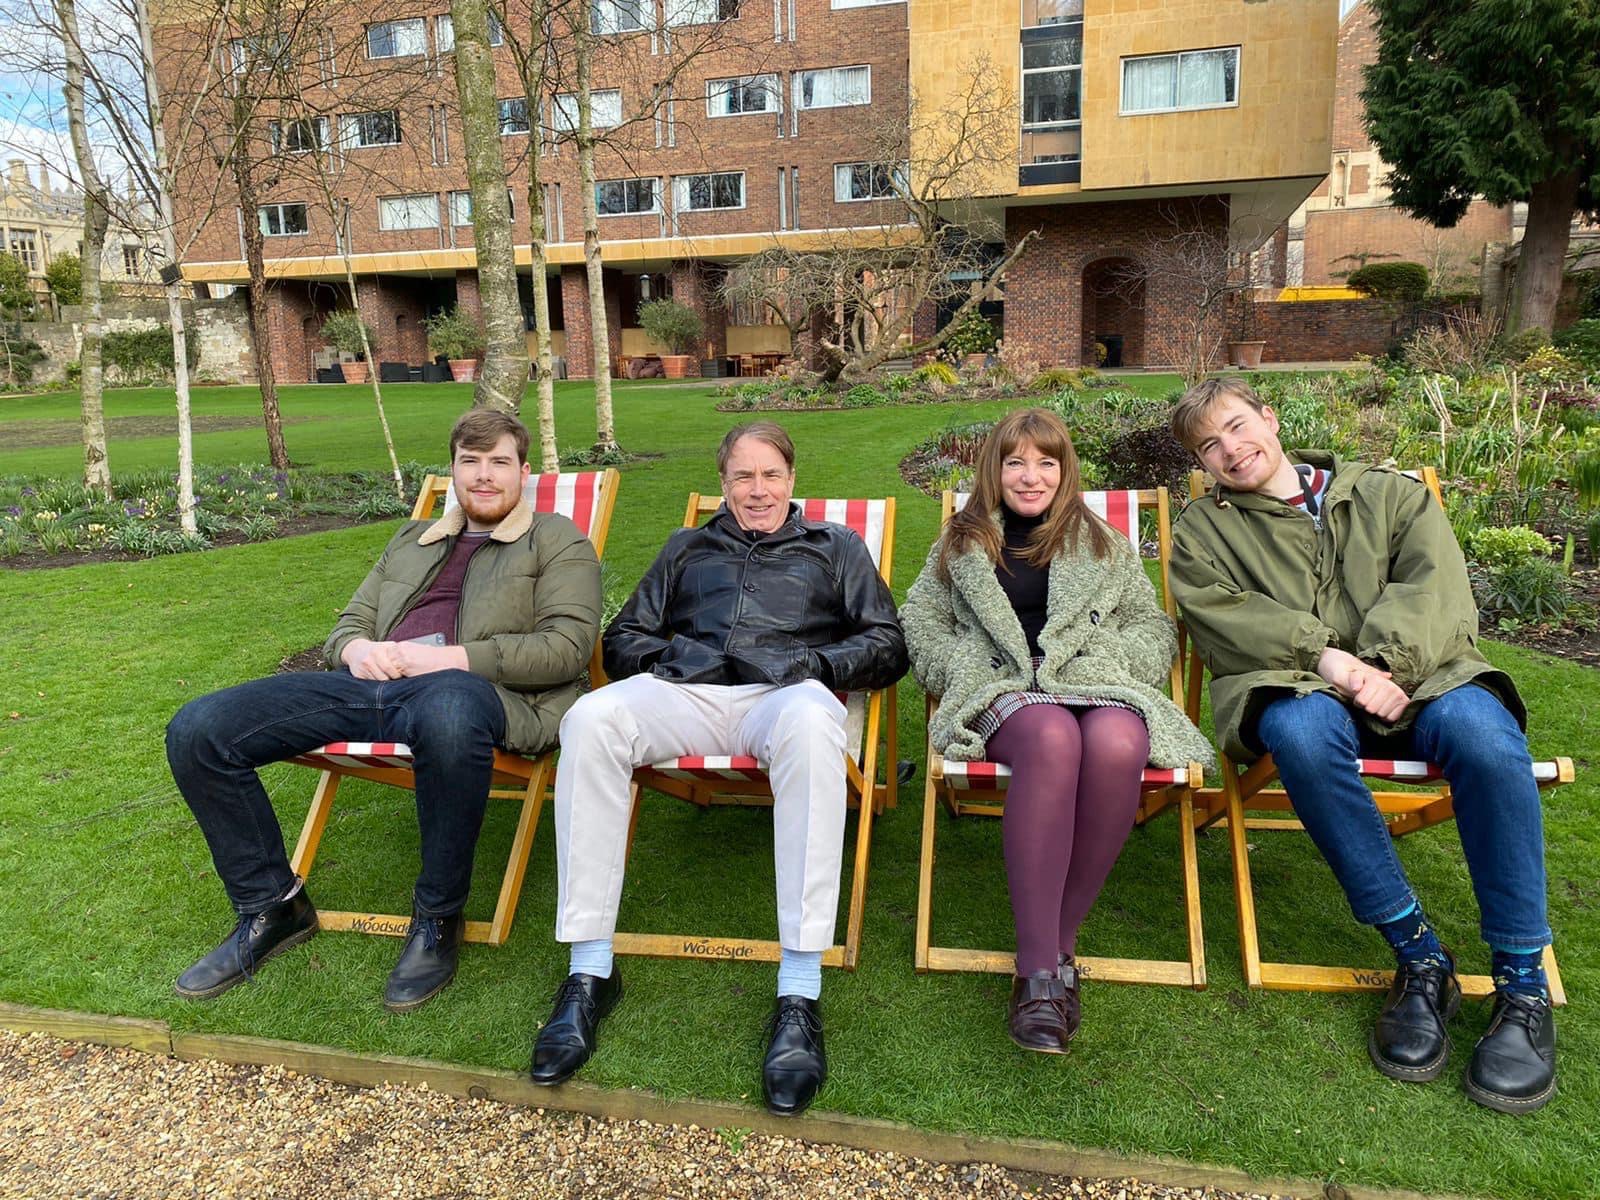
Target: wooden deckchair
[(870, 725), (588, 498), (978, 788), (1428, 803)]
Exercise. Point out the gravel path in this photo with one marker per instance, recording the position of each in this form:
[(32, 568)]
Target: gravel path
[(87, 1121)]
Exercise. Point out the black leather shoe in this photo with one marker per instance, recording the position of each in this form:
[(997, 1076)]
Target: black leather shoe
[(1513, 1067), (427, 964), (256, 938), (1409, 1040), (796, 1066), (567, 1039), (1041, 1016)]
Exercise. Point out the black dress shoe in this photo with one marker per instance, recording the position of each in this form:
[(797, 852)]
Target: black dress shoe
[(428, 962), (1041, 1016), (1513, 1067), (567, 1039), (256, 938), (796, 1066), (1409, 1040)]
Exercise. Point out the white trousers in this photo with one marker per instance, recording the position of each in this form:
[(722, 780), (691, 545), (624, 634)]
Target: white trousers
[(796, 734)]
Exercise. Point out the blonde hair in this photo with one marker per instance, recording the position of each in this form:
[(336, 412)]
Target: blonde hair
[(1067, 522), (1197, 403)]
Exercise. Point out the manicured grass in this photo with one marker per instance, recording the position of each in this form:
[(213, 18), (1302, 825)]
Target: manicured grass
[(109, 891)]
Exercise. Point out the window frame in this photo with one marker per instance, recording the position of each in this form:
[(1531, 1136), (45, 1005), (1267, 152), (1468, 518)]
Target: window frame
[(637, 8), (242, 64), (1024, 71), (744, 194), (408, 196), (278, 128), (501, 116), (655, 196), (559, 110), (668, 21), (771, 87), (1178, 55), (422, 27), (352, 144), (888, 174), (799, 87), (281, 207)]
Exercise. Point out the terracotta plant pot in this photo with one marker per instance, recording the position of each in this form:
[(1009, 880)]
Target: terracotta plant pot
[(1246, 354), (462, 370), (678, 366), (354, 372)]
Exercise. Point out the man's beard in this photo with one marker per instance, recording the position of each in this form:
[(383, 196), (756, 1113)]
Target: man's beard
[(488, 512)]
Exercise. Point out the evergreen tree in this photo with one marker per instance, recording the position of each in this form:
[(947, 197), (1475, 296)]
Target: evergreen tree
[(1496, 98)]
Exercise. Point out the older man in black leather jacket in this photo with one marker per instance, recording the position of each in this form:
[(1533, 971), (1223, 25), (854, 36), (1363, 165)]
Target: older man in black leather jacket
[(735, 642)]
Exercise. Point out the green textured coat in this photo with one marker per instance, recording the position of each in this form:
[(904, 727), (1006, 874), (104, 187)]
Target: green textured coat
[(529, 615), (1264, 592), (1105, 638)]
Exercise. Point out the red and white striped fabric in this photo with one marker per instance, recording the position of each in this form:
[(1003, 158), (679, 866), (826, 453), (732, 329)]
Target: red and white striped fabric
[(864, 518), (996, 777), (1404, 770), (1119, 509), (714, 767), (351, 756), (575, 495)]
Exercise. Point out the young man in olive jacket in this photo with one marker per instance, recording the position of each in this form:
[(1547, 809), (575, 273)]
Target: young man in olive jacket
[(470, 633), (735, 642), (1330, 602)]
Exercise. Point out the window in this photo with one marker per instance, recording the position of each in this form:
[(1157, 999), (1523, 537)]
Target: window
[(1037, 13), (461, 207), (409, 212), (1052, 69), (131, 256), (863, 3), (397, 39), (605, 111), (25, 247), (743, 94), (694, 193), (370, 129), (700, 12), (834, 87), (865, 181), (255, 52), (616, 16), (444, 32), (514, 115), (618, 197), (1170, 82), (282, 220), (299, 137)]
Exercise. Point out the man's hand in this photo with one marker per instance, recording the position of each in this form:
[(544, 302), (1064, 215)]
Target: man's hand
[(372, 660), (1370, 688), (415, 658)]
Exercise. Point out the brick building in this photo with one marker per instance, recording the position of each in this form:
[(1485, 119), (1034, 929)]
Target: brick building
[(1125, 111)]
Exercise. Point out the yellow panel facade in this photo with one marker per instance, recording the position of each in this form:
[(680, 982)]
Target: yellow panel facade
[(948, 41)]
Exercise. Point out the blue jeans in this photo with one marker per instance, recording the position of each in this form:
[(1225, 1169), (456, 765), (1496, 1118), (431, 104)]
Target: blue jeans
[(1315, 742), (450, 719)]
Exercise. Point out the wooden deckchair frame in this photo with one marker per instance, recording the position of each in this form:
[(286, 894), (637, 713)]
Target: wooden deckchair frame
[(877, 748), (515, 777), (971, 801), (1404, 812)]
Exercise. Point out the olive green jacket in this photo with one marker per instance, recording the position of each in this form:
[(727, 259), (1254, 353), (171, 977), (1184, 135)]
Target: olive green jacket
[(529, 615), (1105, 638), (1263, 592)]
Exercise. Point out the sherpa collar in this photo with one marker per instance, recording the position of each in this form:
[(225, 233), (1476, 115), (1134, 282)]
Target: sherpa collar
[(513, 526)]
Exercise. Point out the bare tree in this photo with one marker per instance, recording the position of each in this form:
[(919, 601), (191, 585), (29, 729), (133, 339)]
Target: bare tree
[(925, 162)]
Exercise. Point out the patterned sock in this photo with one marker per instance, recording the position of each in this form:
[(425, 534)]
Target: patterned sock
[(1523, 973), (800, 973), (1412, 939), (592, 958)]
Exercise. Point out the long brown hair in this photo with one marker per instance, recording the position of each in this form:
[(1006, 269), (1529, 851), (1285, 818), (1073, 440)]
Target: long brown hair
[(1067, 522)]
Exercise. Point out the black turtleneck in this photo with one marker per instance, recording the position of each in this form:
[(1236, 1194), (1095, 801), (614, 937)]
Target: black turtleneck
[(1025, 585)]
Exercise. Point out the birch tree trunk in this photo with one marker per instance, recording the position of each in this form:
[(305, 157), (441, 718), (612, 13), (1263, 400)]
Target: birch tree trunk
[(504, 377), (533, 75), (605, 438), (255, 264), (170, 273), (343, 222), (96, 464)]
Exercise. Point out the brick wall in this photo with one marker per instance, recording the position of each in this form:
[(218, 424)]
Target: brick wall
[(1329, 330), (1447, 253), (1358, 46)]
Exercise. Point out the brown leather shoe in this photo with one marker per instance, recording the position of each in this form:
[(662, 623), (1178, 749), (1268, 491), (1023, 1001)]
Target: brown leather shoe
[(1041, 1017), (1068, 971)]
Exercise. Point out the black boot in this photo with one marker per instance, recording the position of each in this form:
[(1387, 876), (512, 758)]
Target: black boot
[(796, 1066), (427, 963), (567, 1039), (1513, 1067), (1409, 1040), (256, 938)]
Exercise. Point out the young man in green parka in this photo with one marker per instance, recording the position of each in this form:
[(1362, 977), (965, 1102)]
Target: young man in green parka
[(1330, 602)]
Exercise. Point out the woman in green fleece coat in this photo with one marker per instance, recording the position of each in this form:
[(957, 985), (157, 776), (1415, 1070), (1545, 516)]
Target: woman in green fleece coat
[(1034, 622)]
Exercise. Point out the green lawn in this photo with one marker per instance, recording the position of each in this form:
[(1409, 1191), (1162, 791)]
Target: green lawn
[(109, 891)]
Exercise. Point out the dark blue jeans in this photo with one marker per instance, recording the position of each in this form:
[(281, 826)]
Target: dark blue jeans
[(450, 719), (1315, 742)]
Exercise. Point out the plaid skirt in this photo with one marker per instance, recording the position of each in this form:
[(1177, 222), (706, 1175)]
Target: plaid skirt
[(987, 723)]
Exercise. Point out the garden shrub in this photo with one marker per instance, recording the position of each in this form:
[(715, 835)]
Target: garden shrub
[(863, 395), (19, 354), (973, 334), (674, 324), (1581, 341), (1549, 365), (1514, 347), (64, 276), (1533, 589), (1391, 280), (1504, 546), (1055, 379), (936, 372), (1462, 346), (145, 354), (1145, 456)]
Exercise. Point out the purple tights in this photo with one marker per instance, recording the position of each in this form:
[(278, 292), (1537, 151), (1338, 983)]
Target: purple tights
[(1073, 796)]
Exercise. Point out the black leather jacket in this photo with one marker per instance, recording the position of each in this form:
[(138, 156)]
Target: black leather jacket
[(723, 605)]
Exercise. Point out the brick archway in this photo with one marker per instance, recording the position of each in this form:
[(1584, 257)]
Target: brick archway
[(1113, 311)]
